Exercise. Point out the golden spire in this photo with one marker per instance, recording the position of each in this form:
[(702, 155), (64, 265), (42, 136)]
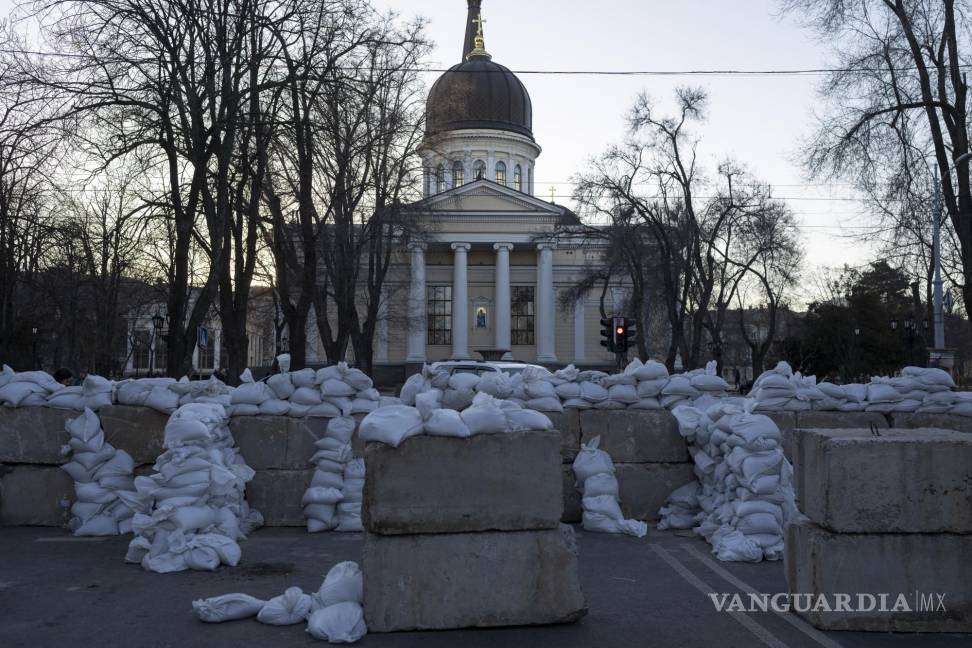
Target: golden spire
[(480, 42)]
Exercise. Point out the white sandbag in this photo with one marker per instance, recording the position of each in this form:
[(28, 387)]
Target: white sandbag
[(342, 404), (448, 423), (325, 410), (592, 392), (623, 393), (706, 382), (335, 387), (547, 404), (303, 378), (526, 419), (414, 385), (392, 425), (320, 517), (162, 399), (357, 379), (456, 399), (289, 608), (606, 505), (320, 495), (343, 583), (568, 390), (680, 386), (429, 401), (306, 396), (599, 523), (339, 623), (252, 393), (370, 394), (281, 385), (69, 398), (651, 388), (341, 428), (227, 607), (650, 370), (496, 384), (327, 479), (283, 361), (577, 403), (591, 461), (464, 381), (601, 484), (484, 416), (13, 394), (274, 407)]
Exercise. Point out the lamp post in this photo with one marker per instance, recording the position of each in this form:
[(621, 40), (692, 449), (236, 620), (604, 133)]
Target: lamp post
[(33, 346), (158, 321)]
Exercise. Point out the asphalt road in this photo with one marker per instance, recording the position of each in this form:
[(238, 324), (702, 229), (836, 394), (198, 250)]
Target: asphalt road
[(56, 590)]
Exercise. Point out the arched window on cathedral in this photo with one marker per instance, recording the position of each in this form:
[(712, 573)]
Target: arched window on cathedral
[(440, 183), (458, 174), (518, 178), (501, 173), (479, 169)]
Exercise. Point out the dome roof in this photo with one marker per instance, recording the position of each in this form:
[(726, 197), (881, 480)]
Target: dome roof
[(479, 93)]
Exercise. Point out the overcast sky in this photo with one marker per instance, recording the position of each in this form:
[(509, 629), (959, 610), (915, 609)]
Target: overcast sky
[(757, 120)]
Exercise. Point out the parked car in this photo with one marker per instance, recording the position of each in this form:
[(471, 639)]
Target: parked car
[(480, 367)]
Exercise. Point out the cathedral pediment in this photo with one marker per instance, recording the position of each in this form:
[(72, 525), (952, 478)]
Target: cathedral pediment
[(489, 198)]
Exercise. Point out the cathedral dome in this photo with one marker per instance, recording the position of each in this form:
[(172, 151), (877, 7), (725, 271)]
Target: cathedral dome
[(478, 93)]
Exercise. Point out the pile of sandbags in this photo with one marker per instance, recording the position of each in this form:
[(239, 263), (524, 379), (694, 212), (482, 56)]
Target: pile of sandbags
[(191, 513), (594, 474), (100, 473), (486, 414), (330, 392), (211, 390), (154, 393), (27, 388), (780, 389), (333, 613), (744, 495), (321, 499)]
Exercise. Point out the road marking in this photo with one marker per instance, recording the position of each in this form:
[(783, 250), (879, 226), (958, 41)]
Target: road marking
[(790, 618), (746, 621), (71, 539)]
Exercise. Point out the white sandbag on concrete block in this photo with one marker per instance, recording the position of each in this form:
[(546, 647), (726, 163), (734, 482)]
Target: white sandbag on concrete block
[(445, 422), (392, 425), (342, 583)]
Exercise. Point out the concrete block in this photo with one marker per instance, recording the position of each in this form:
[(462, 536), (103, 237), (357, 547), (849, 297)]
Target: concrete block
[(635, 436), (784, 420), (927, 420), (277, 494), (572, 497), (915, 566), (568, 424), (461, 580), (277, 442), (33, 435), (644, 488), (35, 495), (903, 481), (828, 420), (139, 431), (501, 482)]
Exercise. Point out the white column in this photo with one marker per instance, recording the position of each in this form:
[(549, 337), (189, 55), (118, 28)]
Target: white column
[(503, 317), (217, 338), (416, 305), (545, 304), (460, 302), (580, 350)]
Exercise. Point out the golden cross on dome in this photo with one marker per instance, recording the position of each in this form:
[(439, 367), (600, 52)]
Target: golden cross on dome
[(478, 21), (479, 43)]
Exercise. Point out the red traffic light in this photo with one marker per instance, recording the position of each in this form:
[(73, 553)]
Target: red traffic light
[(620, 330)]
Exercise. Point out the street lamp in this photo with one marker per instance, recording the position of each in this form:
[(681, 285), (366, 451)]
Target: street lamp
[(33, 345), (157, 322)]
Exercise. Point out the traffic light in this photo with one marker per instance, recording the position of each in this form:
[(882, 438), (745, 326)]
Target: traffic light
[(607, 333), (620, 334)]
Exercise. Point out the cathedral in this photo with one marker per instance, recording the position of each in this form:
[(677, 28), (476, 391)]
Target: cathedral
[(489, 276)]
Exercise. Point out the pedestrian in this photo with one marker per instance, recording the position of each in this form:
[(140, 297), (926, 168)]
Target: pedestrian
[(736, 377), (64, 376)]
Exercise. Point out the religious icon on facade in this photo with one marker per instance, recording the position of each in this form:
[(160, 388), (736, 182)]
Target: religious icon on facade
[(481, 317)]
